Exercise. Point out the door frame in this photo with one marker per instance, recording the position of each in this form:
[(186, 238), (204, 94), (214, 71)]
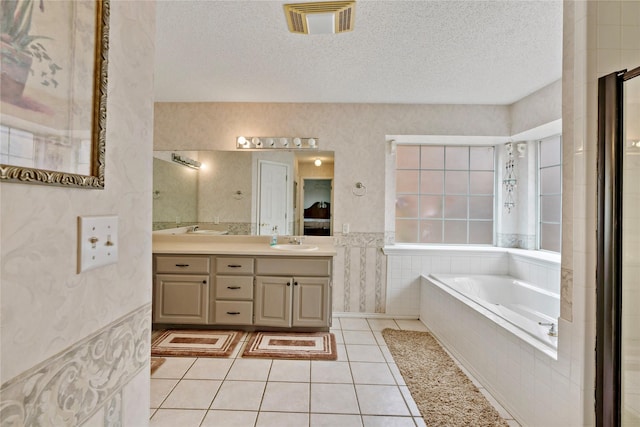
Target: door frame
[(608, 391), (288, 196), (300, 203)]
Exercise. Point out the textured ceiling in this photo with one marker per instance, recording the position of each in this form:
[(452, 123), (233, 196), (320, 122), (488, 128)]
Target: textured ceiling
[(425, 52)]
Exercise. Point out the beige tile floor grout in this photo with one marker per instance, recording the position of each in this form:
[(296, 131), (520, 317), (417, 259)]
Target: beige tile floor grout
[(362, 388)]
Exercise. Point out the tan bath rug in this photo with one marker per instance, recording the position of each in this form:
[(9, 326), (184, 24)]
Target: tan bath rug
[(292, 345), (195, 343)]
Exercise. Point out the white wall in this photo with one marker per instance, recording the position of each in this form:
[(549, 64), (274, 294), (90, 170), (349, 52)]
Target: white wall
[(63, 323)]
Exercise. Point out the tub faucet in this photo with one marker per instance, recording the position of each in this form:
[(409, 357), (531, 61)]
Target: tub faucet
[(194, 228), (552, 328)]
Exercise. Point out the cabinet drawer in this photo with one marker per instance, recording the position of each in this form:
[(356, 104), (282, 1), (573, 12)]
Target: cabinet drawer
[(234, 287), (234, 312), (182, 264), (234, 265), (294, 266)]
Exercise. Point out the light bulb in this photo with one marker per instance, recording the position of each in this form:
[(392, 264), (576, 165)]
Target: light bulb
[(318, 162), (284, 142), (297, 142), (312, 143), (243, 141), (270, 142), (255, 141)]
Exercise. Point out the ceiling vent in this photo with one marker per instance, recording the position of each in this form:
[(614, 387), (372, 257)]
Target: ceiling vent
[(320, 18)]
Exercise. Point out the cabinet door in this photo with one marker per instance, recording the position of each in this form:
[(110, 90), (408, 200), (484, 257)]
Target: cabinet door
[(272, 303), (181, 298), (310, 301)]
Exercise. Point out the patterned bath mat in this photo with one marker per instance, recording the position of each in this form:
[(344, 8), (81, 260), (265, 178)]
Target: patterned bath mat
[(156, 362), (292, 345), (195, 343)]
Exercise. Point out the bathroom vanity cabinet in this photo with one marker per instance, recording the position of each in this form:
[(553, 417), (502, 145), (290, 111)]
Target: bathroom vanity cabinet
[(181, 289), (292, 292), (233, 302), (249, 292)]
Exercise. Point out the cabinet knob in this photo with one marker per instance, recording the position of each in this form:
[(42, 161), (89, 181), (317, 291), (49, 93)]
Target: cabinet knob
[(204, 282), (288, 283), (295, 283)]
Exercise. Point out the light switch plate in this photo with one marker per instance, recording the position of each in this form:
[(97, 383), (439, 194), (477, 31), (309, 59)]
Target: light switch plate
[(97, 241)]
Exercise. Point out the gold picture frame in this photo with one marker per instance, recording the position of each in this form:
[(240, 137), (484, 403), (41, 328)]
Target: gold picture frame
[(53, 94)]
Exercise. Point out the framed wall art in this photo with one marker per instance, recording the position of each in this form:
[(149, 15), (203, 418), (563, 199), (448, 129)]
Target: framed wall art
[(53, 92)]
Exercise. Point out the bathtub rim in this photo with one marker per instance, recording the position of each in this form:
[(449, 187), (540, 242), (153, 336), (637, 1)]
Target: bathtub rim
[(493, 317), (435, 249)]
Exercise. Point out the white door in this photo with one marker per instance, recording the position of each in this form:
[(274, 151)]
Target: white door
[(272, 197)]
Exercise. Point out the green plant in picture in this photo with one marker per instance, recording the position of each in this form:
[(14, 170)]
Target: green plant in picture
[(19, 48)]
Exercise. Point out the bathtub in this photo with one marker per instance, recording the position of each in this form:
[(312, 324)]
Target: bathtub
[(515, 305)]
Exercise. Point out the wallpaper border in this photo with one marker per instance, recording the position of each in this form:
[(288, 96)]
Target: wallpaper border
[(68, 388)]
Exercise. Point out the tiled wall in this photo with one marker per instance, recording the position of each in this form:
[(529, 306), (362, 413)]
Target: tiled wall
[(407, 264), (360, 267), (534, 387), (523, 378), (600, 37)]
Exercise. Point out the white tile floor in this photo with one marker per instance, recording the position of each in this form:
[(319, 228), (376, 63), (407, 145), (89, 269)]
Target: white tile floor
[(362, 388)]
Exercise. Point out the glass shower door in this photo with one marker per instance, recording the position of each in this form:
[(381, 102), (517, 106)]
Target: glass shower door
[(630, 321)]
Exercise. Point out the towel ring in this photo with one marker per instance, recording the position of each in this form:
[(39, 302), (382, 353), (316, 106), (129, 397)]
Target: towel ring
[(359, 189)]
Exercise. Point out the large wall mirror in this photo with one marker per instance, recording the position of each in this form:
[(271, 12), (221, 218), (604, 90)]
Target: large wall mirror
[(244, 192)]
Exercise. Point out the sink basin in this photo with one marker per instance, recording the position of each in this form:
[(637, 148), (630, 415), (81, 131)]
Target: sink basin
[(295, 248), (214, 232)]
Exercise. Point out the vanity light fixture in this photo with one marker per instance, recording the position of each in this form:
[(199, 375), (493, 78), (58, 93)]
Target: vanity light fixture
[(276, 142), (328, 17), (243, 142), (185, 161)]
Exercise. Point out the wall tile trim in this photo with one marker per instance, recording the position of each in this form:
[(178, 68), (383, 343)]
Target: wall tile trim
[(68, 388)]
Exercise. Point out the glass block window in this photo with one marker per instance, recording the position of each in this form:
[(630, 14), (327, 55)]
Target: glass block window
[(550, 193), (444, 194)]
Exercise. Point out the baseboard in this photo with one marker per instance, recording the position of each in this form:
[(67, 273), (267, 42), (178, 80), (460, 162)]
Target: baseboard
[(375, 315)]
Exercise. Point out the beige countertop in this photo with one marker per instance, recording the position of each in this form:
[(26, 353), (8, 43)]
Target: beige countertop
[(164, 243)]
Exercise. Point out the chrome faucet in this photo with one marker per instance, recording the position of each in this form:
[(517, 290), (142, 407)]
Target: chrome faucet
[(552, 328), (294, 240), (194, 228)]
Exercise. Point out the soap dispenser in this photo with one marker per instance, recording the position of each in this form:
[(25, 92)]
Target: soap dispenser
[(274, 236)]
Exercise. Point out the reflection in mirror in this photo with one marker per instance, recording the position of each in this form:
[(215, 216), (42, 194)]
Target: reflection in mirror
[(244, 192)]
